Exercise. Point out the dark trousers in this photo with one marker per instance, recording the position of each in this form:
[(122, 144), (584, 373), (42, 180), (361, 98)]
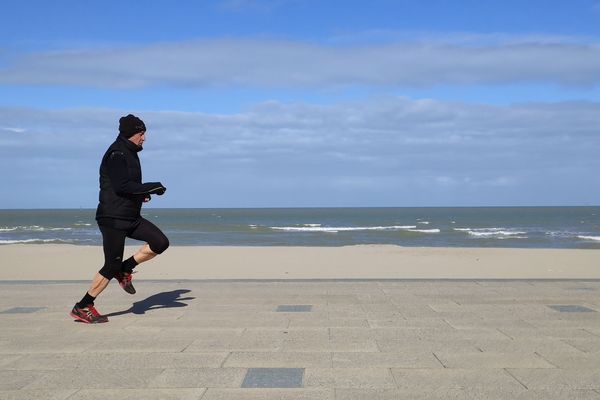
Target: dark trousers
[(114, 233)]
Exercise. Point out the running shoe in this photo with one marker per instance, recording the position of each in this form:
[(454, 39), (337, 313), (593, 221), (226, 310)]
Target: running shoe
[(88, 314), (124, 279)]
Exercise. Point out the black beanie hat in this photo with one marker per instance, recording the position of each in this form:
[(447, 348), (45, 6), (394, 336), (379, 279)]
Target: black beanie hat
[(129, 125)]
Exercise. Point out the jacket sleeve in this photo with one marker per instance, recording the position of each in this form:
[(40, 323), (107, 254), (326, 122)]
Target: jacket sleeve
[(119, 178)]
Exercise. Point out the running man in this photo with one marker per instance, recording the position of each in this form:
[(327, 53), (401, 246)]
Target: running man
[(118, 215)]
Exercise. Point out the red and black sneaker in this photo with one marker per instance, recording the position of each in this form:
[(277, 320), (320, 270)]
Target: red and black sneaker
[(124, 279), (88, 314)]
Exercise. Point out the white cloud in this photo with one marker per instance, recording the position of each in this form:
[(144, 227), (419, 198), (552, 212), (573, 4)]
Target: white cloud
[(271, 63), (11, 129), (386, 151)]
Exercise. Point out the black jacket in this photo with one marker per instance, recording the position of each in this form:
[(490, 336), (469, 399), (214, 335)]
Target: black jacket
[(121, 189)]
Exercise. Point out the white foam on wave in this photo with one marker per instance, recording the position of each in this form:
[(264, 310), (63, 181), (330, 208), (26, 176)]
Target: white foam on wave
[(332, 229), (424, 230), (423, 222), (593, 238), (82, 224), (32, 228), (496, 233), (35, 241)]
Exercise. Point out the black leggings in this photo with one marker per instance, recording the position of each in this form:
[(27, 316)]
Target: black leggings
[(113, 241)]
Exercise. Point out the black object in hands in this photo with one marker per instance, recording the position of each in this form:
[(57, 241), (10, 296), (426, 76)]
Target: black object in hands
[(160, 191)]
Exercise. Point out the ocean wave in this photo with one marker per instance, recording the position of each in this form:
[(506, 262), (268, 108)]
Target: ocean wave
[(424, 230), (331, 229), (594, 238), (570, 235), (37, 241), (423, 222), (32, 228), (496, 233)]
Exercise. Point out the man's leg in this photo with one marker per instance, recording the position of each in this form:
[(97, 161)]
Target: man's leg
[(157, 243), (113, 241), (144, 254), (113, 244), (98, 285)]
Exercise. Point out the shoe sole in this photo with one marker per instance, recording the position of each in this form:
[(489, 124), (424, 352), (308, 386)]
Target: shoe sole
[(130, 292), (85, 321)]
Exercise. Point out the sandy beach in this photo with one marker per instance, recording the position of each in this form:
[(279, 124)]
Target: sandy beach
[(67, 262)]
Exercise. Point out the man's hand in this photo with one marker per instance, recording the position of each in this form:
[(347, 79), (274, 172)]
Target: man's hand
[(147, 198)]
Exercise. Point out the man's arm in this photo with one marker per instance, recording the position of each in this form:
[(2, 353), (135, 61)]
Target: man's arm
[(117, 172)]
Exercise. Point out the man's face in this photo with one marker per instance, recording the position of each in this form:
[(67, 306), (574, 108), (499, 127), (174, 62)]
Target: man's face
[(139, 138)]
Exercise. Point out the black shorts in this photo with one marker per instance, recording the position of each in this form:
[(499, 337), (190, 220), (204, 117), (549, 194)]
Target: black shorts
[(114, 233)]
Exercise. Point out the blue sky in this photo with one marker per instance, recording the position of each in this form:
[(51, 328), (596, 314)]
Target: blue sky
[(259, 103)]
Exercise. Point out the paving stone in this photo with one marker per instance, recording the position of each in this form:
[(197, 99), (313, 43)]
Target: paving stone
[(294, 308), (445, 333), (415, 379), (190, 333), (572, 359), (234, 344), (535, 345), (327, 345), (349, 378), (130, 345), (328, 322), (22, 310), (286, 334), (273, 378), (470, 323), (463, 394), (262, 394), (548, 333), (36, 394), (588, 345), (42, 344), (494, 360), (117, 361), (8, 359), (12, 380), (430, 345), (571, 308), (577, 321), (352, 333), (137, 394), (280, 322), (408, 359), (199, 378), (558, 378), (93, 378), (278, 360)]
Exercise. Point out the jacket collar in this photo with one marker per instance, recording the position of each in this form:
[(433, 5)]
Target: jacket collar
[(130, 145)]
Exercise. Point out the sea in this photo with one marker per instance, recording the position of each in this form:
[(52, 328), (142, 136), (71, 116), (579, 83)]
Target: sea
[(521, 227)]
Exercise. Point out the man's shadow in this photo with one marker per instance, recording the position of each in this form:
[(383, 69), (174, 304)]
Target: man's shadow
[(160, 300)]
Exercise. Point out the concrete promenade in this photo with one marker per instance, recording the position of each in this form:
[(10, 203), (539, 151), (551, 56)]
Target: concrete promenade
[(343, 340)]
